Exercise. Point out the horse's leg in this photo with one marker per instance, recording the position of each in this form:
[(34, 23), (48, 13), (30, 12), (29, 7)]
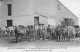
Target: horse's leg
[(12, 32), (64, 35), (2, 33), (9, 33), (68, 35), (43, 36), (16, 39), (60, 37), (74, 36), (31, 37)]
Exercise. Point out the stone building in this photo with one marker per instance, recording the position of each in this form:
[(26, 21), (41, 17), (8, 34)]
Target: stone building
[(33, 12)]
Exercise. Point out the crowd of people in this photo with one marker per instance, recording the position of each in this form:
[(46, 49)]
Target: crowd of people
[(39, 32)]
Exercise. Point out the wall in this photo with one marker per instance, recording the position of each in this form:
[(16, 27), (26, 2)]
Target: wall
[(23, 11), (22, 20), (46, 6), (22, 7), (65, 13), (51, 7), (43, 20)]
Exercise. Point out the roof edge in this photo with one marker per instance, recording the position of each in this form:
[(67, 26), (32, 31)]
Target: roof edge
[(67, 9)]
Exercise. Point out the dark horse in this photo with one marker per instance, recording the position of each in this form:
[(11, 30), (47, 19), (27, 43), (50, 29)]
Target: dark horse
[(18, 31), (23, 32)]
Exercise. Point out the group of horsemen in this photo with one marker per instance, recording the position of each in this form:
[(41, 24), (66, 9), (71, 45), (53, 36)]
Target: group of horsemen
[(39, 32)]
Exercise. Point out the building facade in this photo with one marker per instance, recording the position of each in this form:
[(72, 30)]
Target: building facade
[(32, 12)]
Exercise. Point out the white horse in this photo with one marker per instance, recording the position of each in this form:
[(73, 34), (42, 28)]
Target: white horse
[(71, 31), (11, 30), (3, 31)]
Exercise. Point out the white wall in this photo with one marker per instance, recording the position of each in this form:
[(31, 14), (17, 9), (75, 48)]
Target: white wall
[(43, 20), (22, 20), (65, 13), (51, 8), (52, 22), (46, 6), (23, 11), (22, 7)]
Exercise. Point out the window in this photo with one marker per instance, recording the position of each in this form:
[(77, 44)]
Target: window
[(9, 9), (9, 23), (58, 7)]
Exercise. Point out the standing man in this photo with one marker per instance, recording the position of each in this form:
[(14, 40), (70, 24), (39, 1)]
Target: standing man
[(16, 33), (58, 33), (49, 31)]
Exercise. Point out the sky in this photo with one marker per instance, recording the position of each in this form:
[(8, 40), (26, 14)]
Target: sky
[(73, 6)]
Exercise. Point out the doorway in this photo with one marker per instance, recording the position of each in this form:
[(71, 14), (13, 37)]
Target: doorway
[(9, 23), (36, 20), (68, 21)]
